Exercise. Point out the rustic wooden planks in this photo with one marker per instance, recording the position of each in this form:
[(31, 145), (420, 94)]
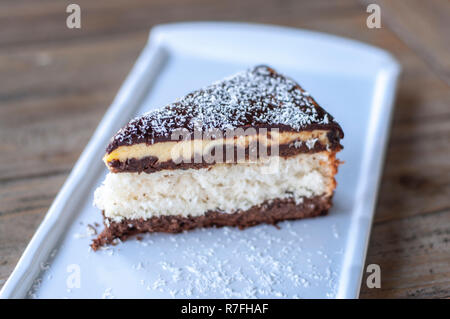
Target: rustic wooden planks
[(57, 84)]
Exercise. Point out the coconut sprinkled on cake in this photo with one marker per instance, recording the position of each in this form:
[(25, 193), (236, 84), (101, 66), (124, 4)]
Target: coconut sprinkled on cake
[(258, 97)]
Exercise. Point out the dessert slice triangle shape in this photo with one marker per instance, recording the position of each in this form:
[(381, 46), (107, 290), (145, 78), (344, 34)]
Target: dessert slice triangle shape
[(253, 148)]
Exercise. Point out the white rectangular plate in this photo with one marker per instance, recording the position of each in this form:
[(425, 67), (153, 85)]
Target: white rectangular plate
[(313, 258)]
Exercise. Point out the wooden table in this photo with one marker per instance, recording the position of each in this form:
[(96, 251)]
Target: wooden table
[(56, 83)]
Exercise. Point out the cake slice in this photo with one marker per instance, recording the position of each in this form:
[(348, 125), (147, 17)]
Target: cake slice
[(253, 148)]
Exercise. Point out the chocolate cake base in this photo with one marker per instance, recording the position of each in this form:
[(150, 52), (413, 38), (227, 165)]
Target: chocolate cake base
[(270, 212)]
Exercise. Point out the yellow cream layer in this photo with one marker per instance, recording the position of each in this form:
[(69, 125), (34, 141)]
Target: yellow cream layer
[(186, 149)]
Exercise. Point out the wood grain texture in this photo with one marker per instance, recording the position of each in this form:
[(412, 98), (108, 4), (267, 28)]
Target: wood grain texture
[(424, 26), (57, 83)]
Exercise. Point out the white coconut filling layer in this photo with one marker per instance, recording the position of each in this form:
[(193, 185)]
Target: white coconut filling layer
[(222, 187)]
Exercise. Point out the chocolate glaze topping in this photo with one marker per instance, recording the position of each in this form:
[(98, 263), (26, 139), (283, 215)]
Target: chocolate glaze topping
[(259, 97)]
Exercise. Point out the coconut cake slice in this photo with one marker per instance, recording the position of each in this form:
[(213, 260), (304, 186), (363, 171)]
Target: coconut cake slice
[(253, 148)]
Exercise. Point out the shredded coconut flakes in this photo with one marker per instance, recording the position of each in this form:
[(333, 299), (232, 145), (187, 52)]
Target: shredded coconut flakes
[(256, 97)]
